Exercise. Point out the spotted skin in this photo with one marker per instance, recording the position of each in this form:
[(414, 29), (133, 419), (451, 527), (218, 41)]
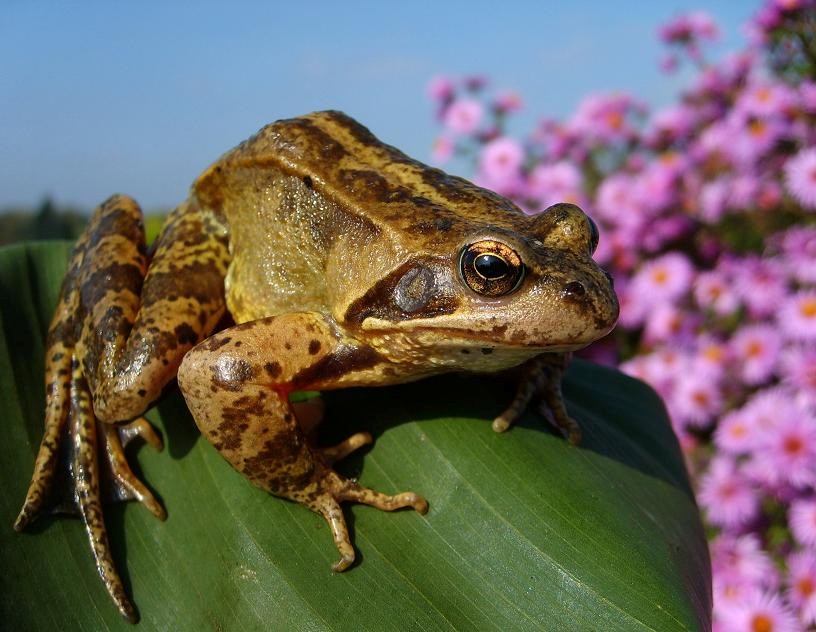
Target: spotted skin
[(116, 339), (342, 262)]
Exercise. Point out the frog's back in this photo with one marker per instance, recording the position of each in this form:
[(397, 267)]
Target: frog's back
[(349, 166), (303, 190)]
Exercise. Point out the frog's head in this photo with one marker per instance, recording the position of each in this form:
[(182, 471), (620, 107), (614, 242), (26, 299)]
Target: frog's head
[(530, 285)]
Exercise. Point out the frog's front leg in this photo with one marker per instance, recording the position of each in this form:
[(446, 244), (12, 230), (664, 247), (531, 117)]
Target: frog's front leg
[(237, 385), (540, 380)]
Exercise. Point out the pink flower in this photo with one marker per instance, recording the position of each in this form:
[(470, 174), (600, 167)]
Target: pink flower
[(673, 122), (508, 102), (615, 201), (744, 557), (802, 521), (440, 89), (807, 96), (762, 98), (789, 456), (800, 177), (802, 584), (766, 613), (664, 279), (442, 149), (799, 247), (797, 316), (605, 118), (756, 348), (500, 163), (712, 357), (666, 322), (735, 434), (463, 116), (696, 399), (726, 495), (712, 291), (799, 370), (713, 199), (760, 284), (558, 182)]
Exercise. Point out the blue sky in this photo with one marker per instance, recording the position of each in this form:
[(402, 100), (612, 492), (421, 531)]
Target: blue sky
[(102, 97)]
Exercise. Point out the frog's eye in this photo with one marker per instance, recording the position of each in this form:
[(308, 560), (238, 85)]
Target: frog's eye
[(594, 236), (491, 268)]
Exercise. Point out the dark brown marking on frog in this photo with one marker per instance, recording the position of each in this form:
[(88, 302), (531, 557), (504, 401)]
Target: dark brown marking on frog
[(498, 330), (116, 277), (142, 392), (273, 369), (307, 181), (314, 347), (316, 139), (341, 361), (486, 350), (365, 184), (118, 221), (199, 280), (185, 334), (380, 301)]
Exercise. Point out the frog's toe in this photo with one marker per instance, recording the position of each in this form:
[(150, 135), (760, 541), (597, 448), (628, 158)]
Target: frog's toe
[(140, 427), (126, 486), (335, 489), (335, 453), (557, 415)]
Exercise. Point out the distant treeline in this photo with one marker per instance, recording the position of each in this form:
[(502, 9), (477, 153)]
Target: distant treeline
[(51, 221), (48, 221)]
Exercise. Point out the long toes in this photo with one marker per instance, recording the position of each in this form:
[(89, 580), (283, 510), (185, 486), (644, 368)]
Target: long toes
[(120, 469), (558, 417), (358, 494), (140, 427), (340, 451)]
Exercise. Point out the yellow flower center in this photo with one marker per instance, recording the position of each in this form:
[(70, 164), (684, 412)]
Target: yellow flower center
[(761, 623), (808, 308)]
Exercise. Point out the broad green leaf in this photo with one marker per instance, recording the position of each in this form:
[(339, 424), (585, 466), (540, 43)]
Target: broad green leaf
[(524, 531)]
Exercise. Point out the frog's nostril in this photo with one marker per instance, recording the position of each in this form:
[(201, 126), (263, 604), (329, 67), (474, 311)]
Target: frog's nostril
[(574, 289)]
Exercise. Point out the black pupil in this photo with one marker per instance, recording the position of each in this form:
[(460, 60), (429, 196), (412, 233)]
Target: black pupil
[(490, 266)]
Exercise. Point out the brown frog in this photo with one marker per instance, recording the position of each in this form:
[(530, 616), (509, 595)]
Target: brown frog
[(343, 263)]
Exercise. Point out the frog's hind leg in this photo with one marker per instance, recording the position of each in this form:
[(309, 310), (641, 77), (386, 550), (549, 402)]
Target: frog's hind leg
[(109, 354), (237, 385)]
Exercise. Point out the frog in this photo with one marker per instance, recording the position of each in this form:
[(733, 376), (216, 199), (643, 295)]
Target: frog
[(310, 257)]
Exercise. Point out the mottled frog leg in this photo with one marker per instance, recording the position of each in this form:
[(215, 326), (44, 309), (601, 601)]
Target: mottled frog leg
[(541, 379), (116, 339), (237, 386)]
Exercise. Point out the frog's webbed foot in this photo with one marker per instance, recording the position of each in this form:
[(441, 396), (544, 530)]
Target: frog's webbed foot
[(80, 462), (332, 489), (541, 381)]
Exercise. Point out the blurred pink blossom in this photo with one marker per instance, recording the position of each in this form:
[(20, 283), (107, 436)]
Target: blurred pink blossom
[(756, 348), (802, 584), (728, 498), (463, 116), (797, 315), (800, 177), (802, 520)]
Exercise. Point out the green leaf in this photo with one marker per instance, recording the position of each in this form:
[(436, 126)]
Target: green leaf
[(524, 531)]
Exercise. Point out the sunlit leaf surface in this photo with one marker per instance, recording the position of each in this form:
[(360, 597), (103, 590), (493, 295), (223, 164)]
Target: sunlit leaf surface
[(524, 531)]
